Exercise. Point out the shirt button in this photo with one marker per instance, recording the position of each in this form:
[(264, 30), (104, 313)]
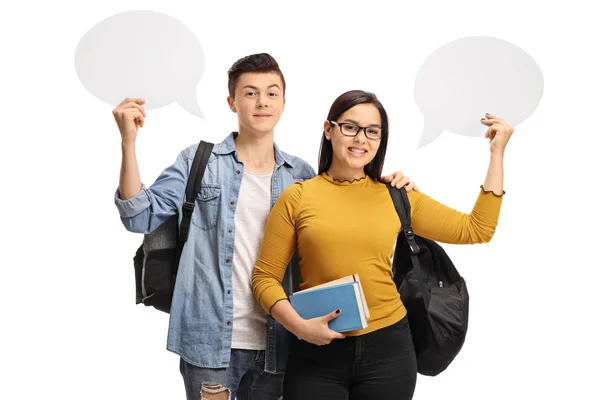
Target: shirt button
[(275, 179), (232, 203), (228, 260), (229, 292), (238, 172), (228, 322), (231, 230)]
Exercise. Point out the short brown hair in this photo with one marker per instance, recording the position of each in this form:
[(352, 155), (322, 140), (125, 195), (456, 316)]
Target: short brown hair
[(261, 62)]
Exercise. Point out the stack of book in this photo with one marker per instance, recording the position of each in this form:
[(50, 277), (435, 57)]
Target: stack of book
[(345, 294)]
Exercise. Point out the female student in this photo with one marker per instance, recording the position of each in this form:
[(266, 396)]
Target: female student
[(342, 222)]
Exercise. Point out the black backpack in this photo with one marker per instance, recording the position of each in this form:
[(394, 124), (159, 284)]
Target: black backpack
[(157, 260), (433, 292)]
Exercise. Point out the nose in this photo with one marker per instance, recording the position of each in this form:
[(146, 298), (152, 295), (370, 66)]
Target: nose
[(361, 138), (261, 100)]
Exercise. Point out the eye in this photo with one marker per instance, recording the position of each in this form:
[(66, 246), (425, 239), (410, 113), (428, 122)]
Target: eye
[(250, 93), (373, 131), (351, 128)]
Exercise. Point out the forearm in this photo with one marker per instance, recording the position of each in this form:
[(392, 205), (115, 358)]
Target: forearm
[(494, 180), (129, 180), (285, 314)]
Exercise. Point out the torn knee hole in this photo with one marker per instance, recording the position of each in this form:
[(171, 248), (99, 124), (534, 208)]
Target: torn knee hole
[(215, 392)]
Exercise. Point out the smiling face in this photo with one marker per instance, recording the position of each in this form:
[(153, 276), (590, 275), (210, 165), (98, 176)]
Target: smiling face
[(258, 102), (352, 154)]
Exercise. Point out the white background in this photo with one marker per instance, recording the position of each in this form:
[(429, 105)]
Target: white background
[(69, 325)]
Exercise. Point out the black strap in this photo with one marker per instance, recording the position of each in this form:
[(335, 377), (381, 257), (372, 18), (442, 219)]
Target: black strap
[(402, 205), (191, 191)]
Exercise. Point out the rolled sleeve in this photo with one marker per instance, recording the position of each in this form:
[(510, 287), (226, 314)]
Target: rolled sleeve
[(151, 206), (133, 206)]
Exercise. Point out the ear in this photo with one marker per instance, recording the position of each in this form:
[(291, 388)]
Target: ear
[(327, 130), (231, 103), (283, 107)]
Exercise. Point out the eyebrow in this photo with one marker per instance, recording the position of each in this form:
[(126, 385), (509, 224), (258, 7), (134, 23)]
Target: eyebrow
[(356, 123), (255, 88)]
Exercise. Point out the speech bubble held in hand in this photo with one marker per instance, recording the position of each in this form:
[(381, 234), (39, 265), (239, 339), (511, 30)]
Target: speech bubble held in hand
[(462, 80), (142, 54)]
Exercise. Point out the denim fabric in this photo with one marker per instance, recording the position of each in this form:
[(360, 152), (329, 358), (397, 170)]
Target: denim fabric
[(245, 378), (201, 317)]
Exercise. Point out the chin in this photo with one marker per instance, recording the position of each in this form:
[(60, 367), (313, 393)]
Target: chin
[(260, 128), (357, 166), (263, 129)]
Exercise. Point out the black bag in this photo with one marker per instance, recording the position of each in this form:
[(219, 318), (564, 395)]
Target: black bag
[(157, 259), (433, 292)]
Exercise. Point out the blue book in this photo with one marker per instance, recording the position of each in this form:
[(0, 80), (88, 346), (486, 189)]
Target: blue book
[(322, 300)]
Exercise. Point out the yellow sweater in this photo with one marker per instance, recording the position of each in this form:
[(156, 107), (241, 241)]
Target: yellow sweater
[(343, 228)]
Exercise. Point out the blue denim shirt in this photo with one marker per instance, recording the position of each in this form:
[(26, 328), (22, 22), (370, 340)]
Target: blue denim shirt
[(201, 317)]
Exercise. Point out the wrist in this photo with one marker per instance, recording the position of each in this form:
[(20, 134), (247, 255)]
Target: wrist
[(497, 155), (298, 327), (128, 144)]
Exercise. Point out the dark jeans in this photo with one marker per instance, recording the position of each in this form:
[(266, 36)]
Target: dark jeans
[(244, 379), (378, 365)]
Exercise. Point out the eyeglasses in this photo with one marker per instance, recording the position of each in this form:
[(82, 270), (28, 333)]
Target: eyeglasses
[(351, 129)]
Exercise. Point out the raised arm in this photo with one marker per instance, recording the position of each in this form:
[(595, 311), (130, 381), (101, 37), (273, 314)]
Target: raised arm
[(436, 221), (129, 116), (499, 133), (142, 209)]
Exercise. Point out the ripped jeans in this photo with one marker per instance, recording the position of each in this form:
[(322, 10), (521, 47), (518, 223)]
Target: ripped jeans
[(244, 379)]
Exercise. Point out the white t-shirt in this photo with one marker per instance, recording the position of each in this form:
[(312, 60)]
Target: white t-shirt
[(251, 213)]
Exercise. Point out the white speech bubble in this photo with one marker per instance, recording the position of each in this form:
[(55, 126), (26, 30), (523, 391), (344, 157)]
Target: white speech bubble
[(142, 54), (462, 80)]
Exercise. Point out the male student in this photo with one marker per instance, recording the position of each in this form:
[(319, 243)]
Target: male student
[(228, 345)]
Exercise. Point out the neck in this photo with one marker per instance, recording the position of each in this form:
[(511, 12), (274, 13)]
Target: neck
[(256, 151), (345, 173)]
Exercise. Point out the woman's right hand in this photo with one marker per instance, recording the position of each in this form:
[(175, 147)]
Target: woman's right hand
[(130, 115), (316, 330)]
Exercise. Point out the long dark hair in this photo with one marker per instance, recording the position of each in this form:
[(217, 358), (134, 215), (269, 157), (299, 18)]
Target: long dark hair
[(342, 104)]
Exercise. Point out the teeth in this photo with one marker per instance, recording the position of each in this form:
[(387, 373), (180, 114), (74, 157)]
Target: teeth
[(357, 151)]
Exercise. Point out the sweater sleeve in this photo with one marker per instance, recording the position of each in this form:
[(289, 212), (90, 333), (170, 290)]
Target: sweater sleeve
[(277, 247), (438, 222)]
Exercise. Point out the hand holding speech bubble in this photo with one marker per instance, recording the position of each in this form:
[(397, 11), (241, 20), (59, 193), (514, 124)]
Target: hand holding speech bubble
[(462, 80), (143, 54)]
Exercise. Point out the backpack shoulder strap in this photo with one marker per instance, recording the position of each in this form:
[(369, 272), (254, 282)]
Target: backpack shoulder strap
[(402, 205), (193, 187)]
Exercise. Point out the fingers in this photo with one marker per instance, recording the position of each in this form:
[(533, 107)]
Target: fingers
[(405, 182), (492, 119), (387, 178), (337, 335), (136, 100), (332, 315), (132, 105), (492, 116), (129, 106), (491, 132), (134, 112), (409, 186), (400, 181), (137, 116)]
